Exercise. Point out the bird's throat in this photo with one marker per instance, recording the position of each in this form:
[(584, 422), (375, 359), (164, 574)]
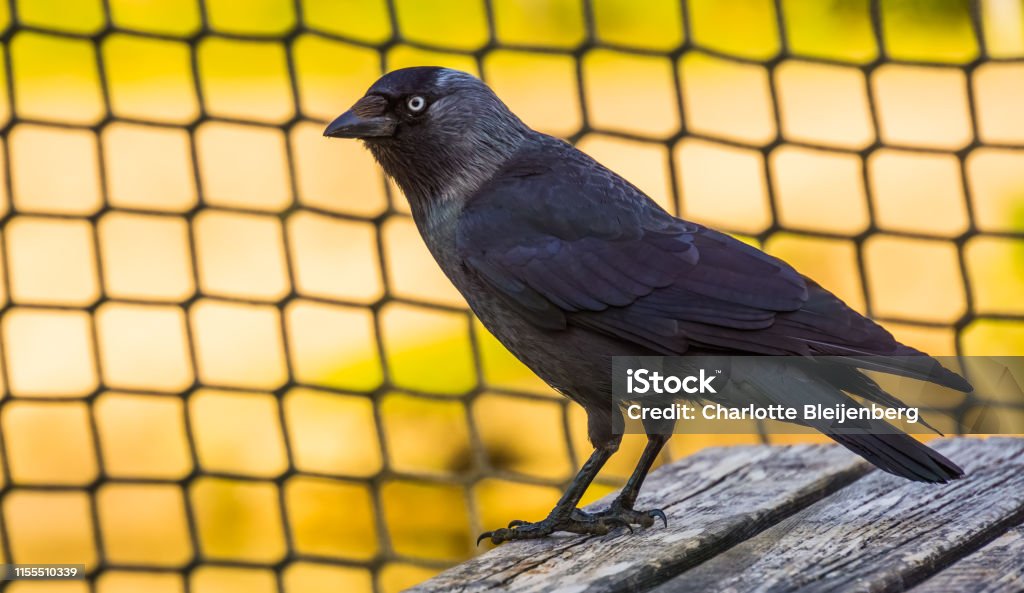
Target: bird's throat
[(439, 174)]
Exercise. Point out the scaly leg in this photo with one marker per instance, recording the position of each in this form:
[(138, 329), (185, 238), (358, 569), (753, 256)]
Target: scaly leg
[(621, 509), (565, 516)]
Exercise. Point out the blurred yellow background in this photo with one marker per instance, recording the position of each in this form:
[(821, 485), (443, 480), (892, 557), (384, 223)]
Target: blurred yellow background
[(230, 363)]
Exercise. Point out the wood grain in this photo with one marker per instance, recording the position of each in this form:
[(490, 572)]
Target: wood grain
[(805, 518), (713, 500), (882, 533), (995, 568)]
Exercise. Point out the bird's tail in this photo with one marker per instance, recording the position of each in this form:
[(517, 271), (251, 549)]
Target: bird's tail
[(902, 455)]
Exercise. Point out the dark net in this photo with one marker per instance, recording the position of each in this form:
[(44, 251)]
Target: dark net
[(228, 362)]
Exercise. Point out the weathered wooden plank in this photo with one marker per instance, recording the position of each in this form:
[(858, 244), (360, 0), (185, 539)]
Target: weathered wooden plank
[(995, 568), (713, 500), (879, 534)]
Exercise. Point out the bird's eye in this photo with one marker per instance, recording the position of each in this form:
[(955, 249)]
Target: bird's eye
[(416, 103)]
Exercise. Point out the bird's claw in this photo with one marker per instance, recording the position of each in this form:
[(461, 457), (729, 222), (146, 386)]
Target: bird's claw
[(581, 522), (630, 516), (576, 522), (660, 514)]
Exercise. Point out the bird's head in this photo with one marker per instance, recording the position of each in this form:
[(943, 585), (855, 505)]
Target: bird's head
[(434, 130)]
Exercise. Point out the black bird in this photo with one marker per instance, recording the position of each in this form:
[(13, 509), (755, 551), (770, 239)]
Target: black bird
[(568, 265)]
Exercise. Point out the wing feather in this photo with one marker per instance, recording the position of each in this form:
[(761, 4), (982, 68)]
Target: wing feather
[(564, 241)]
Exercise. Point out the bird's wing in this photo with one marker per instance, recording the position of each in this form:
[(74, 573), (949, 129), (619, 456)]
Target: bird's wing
[(564, 241)]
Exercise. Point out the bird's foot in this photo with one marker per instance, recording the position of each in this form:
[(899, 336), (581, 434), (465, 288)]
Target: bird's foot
[(582, 522), (576, 522), (630, 516)]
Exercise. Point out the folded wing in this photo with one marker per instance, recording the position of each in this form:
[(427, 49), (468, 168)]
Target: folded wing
[(566, 242)]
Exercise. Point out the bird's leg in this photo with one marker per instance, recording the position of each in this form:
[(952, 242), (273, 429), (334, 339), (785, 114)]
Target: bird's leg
[(565, 516), (621, 508)]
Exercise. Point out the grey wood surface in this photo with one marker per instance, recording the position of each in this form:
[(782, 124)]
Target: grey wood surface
[(713, 500), (807, 518), (881, 533), (995, 568)]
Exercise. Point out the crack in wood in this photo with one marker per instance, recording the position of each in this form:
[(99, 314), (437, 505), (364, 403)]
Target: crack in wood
[(803, 518)]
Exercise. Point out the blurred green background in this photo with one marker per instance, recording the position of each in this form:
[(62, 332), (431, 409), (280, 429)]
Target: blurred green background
[(230, 364)]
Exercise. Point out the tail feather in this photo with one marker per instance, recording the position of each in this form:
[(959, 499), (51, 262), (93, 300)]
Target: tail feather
[(852, 381), (901, 455), (877, 441), (907, 362)]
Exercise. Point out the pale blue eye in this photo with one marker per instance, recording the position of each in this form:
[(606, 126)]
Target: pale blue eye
[(416, 103)]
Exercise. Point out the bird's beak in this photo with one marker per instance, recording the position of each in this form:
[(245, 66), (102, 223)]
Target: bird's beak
[(350, 125), (366, 119)]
